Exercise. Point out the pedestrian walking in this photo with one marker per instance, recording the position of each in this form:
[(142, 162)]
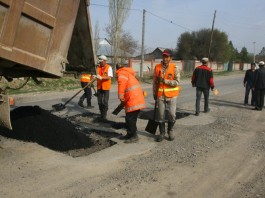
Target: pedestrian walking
[(259, 86), (104, 75), (166, 89), (131, 95), (84, 80), (248, 83), (202, 79)]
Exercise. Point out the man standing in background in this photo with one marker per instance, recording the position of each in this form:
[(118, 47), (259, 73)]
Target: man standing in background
[(104, 75), (248, 83), (260, 86), (202, 79)]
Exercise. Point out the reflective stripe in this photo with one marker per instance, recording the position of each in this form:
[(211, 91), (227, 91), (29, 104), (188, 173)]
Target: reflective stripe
[(169, 89), (85, 78), (124, 77), (121, 95), (132, 88), (136, 107)]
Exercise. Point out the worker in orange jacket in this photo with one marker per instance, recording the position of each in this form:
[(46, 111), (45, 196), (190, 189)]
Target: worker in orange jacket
[(130, 93), (104, 75), (85, 79), (166, 89)]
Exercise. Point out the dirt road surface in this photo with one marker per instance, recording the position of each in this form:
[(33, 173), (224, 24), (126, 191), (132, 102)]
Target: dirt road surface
[(217, 154)]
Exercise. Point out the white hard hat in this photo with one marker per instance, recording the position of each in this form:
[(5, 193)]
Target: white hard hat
[(205, 60), (102, 58), (261, 63)]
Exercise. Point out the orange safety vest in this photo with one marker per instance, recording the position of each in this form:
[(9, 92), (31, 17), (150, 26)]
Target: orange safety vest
[(130, 90), (85, 78), (164, 89), (103, 84)]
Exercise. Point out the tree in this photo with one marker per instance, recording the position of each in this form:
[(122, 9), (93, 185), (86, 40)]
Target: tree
[(244, 56), (128, 45), (118, 12), (96, 37), (195, 45)]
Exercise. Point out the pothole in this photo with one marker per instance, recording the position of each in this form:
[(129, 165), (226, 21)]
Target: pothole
[(149, 114), (34, 124)]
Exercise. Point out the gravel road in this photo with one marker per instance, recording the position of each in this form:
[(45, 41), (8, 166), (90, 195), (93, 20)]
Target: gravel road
[(218, 154)]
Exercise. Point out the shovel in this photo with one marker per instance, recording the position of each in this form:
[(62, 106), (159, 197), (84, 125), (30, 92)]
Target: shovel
[(60, 106), (118, 109), (152, 124)]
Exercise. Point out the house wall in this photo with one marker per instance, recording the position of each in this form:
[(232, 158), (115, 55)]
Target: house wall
[(148, 66)]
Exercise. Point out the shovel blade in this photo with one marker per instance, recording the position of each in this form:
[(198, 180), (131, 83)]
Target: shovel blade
[(58, 107), (151, 126)]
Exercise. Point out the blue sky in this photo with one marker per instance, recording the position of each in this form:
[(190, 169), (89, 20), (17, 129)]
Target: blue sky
[(242, 20)]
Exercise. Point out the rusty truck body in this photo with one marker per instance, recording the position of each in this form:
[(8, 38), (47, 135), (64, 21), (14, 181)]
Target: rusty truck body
[(39, 38)]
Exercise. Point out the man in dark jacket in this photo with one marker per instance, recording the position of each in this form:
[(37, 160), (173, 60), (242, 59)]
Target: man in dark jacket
[(259, 86), (248, 83), (202, 79)]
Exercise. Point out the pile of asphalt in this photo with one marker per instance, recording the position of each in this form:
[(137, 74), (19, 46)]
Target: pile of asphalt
[(34, 124)]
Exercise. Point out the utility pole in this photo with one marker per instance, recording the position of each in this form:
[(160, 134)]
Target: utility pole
[(254, 43), (211, 35), (142, 49)]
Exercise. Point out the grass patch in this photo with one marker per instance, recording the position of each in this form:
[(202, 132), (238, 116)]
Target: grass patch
[(62, 84)]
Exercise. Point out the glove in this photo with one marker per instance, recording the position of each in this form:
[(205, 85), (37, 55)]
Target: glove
[(160, 79), (99, 77), (94, 76)]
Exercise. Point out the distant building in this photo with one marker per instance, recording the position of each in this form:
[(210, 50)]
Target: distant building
[(157, 54)]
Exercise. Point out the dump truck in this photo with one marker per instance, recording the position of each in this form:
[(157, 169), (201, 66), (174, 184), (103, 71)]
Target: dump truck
[(40, 39)]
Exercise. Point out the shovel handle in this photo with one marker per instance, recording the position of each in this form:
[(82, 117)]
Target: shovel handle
[(88, 84)]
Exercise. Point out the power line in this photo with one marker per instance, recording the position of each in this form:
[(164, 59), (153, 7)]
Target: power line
[(169, 21), (133, 9), (139, 10)]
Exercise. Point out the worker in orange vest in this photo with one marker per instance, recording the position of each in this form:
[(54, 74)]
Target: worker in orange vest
[(85, 79), (166, 89), (131, 94), (104, 75)]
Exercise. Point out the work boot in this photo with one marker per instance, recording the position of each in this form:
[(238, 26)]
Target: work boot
[(132, 139), (103, 116), (207, 110), (81, 100), (162, 129), (80, 103), (89, 106), (170, 131), (125, 137)]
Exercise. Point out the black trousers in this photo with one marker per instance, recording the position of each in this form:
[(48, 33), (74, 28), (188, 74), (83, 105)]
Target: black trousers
[(130, 121), (253, 97), (260, 98), (199, 92), (103, 100), (87, 93)]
